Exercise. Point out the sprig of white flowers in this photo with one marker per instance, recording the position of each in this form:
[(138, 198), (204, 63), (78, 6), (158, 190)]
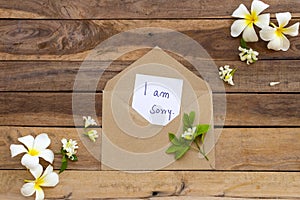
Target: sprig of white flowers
[(91, 134), (68, 152), (226, 74)]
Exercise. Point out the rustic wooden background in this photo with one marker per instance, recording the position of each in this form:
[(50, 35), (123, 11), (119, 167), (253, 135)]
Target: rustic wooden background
[(42, 45)]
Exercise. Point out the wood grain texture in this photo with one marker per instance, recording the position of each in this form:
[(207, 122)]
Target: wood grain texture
[(101, 185), (146, 9), (55, 109), (87, 161), (237, 148), (73, 40), (60, 76), (258, 149)]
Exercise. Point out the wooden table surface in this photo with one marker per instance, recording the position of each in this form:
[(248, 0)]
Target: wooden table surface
[(42, 45)]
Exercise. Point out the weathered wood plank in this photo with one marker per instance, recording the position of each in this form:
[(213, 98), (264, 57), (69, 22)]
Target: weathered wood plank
[(55, 109), (99, 184), (258, 149), (92, 9), (74, 39), (60, 76), (87, 161), (237, 148)]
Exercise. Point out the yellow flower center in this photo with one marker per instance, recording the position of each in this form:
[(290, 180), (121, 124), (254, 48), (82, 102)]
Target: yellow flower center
[(39, 181), (279, 31), (251, 18), (33, 152)]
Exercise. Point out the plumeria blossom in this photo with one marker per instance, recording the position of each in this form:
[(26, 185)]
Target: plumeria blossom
[(47, 179), (248, 55), (226, 74), (92, 134), (70, 147), (35, 148), (189, 133), (89, 121), (276, 35), (249, 19)]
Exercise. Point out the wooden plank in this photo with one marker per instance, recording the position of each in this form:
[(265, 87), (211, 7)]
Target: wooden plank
[(237, 148), (55, 109), (258, 149), (60, 76), (92, 9), (73, 40), (87, 161), (112, 184)]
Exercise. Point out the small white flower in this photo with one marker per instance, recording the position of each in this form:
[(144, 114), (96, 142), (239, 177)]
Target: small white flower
[(276, 35), (89, 121), (248, 54), (226, 74), (70, 147), (47, 179), (92, 134), (35, 148), (189, 133), (248, 19), (274, 83)]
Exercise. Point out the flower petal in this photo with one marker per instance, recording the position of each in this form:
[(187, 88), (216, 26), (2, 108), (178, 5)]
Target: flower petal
[(241, 12), (37, 171), (51, 180), (48, 170), (285, 43), (292, 30), (41, 142), (283, 18), (47, 155), (237, 27), (39, 194), (263, 20), (16, 149), (267, 33), (258, 6), (30, 161), (27, 189), (275, 44), (249, 34), (27, 140)]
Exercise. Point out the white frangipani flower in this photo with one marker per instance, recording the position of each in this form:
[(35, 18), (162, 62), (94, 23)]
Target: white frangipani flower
[(189, 133), (92, 134), (226, 74), (47, 179), (89, 121), (248, 19), (70, 147), (35, 148), (276, 35), (248, 54)]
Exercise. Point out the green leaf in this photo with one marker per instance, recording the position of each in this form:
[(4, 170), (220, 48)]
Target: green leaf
[(173, 139), (181, 152), (64, 164), (186, 121), (191, 118), (244, 44), (172, 149), (201, 129)]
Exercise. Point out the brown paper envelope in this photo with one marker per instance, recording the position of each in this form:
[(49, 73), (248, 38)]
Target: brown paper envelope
[(129, 142)]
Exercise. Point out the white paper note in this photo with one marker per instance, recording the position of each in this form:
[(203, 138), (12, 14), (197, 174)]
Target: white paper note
[(157, 99)]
